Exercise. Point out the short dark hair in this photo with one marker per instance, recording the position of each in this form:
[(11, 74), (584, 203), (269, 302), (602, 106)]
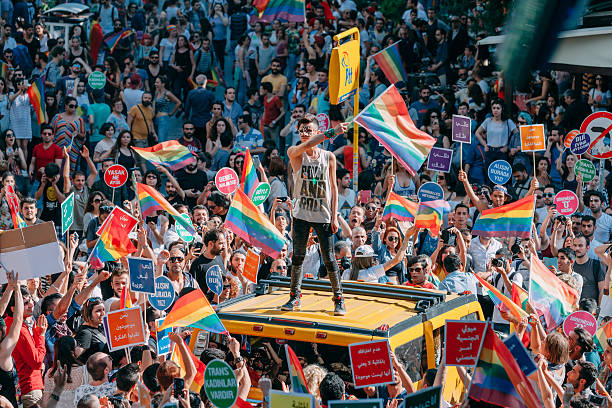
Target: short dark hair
[(519, 167), (210, 354), (24, 293), (27, 200), (57, 51), (307, 120), (247, 119), (587, 241), (212, 235), (584, 340), (149, 378), (588, 305), (331, 388), (588, 218), (461, 205), (341, 172), (127, 377), (267, 86), (452, 263), (569, 252), (588, 372), (46, 302)]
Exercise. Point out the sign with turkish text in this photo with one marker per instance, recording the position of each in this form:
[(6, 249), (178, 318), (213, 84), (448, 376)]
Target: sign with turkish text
[(344, 67), (214, 279), (500, 172), (581, 143), (261, 193), (463, 339), (582, 319), (163, 297), (226, 180), (585, 168), (96, 80), (567, 141), (440, 159), (520, 354), (119, 217), (142, 275), (124, 328), (279, 399), (220, 384), (532, 138), (371, 363), (462, 131), (430, 191), (566, 202), (67, 213), (115, 176)]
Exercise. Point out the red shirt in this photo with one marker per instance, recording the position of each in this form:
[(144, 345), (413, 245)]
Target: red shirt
[(29, 354), (45, 156), (272, 108)]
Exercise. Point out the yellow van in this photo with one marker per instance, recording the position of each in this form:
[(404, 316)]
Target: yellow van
[(412, 319)]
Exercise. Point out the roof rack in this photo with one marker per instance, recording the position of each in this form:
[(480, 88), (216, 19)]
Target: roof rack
[(424, 299)]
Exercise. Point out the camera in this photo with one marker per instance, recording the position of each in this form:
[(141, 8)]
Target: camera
[(561, 218), (345, 263), (497, 262), (448, 237), (515, 248)]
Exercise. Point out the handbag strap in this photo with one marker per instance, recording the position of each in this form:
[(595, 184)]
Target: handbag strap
[(144, 118)]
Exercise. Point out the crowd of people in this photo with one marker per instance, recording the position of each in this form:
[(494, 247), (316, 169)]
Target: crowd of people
[(218, 79)]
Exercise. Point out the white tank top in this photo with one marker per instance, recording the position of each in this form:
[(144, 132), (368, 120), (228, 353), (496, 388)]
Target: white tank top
[(312, 189)]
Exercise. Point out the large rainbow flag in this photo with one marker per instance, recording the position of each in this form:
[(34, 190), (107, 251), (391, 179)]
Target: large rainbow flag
[(113, 244), (500, 299), (198, 381), (284, 10), (498, 379), (430, 214), (602, 335), (399, 208), (249, 179), (36, 93), (151, 201), (170, 154), (250, 224), (390, 61), (193, 310), (510, 220), (113, 39), (298, 381), (549, 295), (388, 120)]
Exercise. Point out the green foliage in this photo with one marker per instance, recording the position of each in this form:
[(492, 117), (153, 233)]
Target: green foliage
[(393, 9)]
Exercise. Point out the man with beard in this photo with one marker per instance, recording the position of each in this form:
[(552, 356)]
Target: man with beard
[(192, 181), (248, 137), (231, 108), (603, 222), (188, 140), (140, 121), (591, 270), (175, 271), (214, 244), (423, 104), (29, 212), (278, 80)]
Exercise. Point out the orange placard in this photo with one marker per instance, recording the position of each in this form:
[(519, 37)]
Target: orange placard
[(532, 138), (124, 328), (251, 265)]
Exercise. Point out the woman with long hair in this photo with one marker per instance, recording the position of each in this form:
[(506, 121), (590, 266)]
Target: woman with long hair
[(183, 63), (364, 267), (166, 104), (433, 125), (77, 52), (117, 118), (219, 22), (387, 247), (15, 159), (92, 207), (104, 146), (90, 335), (6, 219), (121, 150), (113, 79), (220, 126), (65, 359), (495, 133), (447, 181), (566, 169), (69, 130), (543, 171), (600, 97), (167, 45)]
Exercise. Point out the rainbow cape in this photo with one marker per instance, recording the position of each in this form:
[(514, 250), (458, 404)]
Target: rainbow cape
[(170, 154), (500, 299), (284, 10), (250, 224), (113, 39), (429, 215), (549, 295), (498, 379), (298, 381), (36, 93), (510, 220), (13, 203), (249, 179), (602, 335), (198, 381), (400, 208), (151, 201), (113, 244), (390, 62), (388, 120), (193, 310)]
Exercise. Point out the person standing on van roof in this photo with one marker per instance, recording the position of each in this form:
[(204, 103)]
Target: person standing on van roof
[(316, 206)]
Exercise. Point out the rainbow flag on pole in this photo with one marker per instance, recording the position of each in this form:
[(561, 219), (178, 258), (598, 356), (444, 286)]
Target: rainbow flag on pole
[(399, 208), (549, 295), (250, 224), (429, 215), (249, 179), (499, 298), (298, 381), (151, 201), (113, 244), (390, 61), (498, 379), (602, 335), (284, 10), (193, 310), (510, 220), (388, 120), (36, 93), (113, 39), (198, 381), (170, 154), (520, 296)]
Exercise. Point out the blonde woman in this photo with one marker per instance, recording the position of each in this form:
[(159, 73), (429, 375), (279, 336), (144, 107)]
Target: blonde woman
[(314, 374)]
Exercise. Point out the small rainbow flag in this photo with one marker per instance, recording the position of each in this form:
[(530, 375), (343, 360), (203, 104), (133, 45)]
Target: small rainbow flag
[(113, 39), (390, 61), (249, 179), (4, 68), (499, 298), (170, 154), (213, 81), (399, 208), (602, 335), (520, 296), (250, 224), (193, 310), (125, 301), (429, 215), (284, 10), (112, 245), (298, 381), (36, 93), (498, 379), (510, 220), (151, 201), (549, 295), (388, 120), (198, 381)]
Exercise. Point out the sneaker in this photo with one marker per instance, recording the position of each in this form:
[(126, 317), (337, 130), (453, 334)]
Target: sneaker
[(293, 303), (339, 309)]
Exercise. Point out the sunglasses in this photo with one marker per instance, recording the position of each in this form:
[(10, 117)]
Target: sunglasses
[(371, 207), (549, 194), (539, 197), (393, 239), (281, 267), (226, 287), (106, 208), (71, 106), (415, 269), (174, 259), (97, 200)]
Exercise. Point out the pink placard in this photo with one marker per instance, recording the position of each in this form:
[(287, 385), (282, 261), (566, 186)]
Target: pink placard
[(580, 319), (226, 180), (566, 202)]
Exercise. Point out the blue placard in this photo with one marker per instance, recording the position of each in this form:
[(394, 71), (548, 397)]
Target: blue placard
[(520, 354), (214, 279), (500, 172), (164, 345), (163, 297), (430, 191), (142, 275), (581, 143)]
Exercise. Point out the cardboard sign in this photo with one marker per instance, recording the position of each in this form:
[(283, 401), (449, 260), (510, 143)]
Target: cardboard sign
[(364, 403), (226, 180), (597, 125), (279, 399), (580, 144), (371, 363), (164, 345), (429, 397), (440, 159), (124, 328), (462, 131), (214, 279), (251, 265), (463, 339), (125, 219), (344, 67), (261, 193), (582, 319), (500, 172), (520, 354), (566, 202), (67, 207), (430, 191), (567, 141), (142, 275), (220, 384), (115, 176), (163, 297), (532, 138), (586, 169)]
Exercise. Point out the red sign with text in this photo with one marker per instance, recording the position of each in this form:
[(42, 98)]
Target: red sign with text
[(115, 176), (251, 265), (226, 180), (463, 339), (371, 363)]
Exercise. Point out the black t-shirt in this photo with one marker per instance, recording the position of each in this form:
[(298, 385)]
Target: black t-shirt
[(51, 206), (195, 181), (200, 266), (92, 339)]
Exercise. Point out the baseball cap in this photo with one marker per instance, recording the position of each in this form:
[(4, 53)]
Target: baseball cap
[(499, 187), (364, 251)]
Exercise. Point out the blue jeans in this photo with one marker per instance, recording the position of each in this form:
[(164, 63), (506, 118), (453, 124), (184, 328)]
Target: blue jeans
[(162, 123), (301, 232)]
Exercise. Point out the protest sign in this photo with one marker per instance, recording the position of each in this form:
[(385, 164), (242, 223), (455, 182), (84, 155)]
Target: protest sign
[(532, 138), (581, 143), (566, 202), (163, 297), (214, 279), (279, 399), (182, 231), (124, 328), (220, 384), (430, 191), (597, 125), (520, 354), (567, 141), (67, 207), (323, 120), (261, 193), (96, 80), (500, 172), (429, 397), (463, 338), (142, 275), (226, 180), (371, 363), (251, 265), (586, 169), (363, 403), (582, 319), (440, 159), (462, 131), (120, 218), (164, 345), (115, 176)]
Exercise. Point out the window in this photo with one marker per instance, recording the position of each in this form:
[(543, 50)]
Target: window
[(412, 356)]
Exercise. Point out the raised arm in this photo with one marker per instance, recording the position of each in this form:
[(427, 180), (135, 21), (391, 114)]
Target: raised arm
[(470, 192)]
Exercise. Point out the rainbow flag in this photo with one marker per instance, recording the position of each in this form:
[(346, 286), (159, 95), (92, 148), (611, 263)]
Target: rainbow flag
[(4, 68), (498, 379), (388, 120), (152, 201), (113, 244), (193, 310), (499, 298), (429, 215), (549, 295), (249, 179), (284, 10), (36, 93), (198, 381), (250, 224), (602, 335), (125, 301), (510, 220), (390, 62), (96, 38), (213, 81), (298, 381), (113, 39), (399, 208), (170, 154), (520, 296), (13, 203)]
